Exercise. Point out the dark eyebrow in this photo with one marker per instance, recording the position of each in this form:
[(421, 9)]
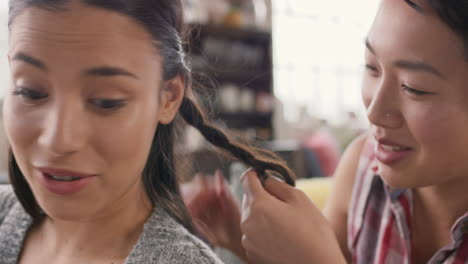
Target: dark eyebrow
[(20, 56), (108, 71), (418, 66), (103, 71), (415, 6)]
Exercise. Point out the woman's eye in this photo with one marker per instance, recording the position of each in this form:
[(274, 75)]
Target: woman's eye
[(413, 91), (108, 104), (371, 68), (29, 94)]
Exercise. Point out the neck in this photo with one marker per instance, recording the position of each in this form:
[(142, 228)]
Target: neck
[(444, 203), (112, 233)]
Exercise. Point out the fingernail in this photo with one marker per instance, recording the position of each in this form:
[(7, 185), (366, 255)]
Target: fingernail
[(276, 178), (242, 177), (245, 174)]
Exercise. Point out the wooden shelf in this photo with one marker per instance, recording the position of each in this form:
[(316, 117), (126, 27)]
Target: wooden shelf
[(230, 32), (256, 80), (224, 55), (242, 120)]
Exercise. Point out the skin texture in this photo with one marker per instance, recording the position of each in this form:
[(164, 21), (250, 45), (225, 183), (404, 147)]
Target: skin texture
[(407, 104), (79, 126)]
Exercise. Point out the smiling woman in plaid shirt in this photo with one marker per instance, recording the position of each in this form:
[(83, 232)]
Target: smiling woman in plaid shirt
[(401, 190)]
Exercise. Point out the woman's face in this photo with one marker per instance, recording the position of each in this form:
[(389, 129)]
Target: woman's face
[(84, 103), (416, 92)]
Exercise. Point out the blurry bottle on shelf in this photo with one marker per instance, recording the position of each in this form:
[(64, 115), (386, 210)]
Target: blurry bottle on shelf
[(258, 12), (252, 14), (229, 95), (195, 12), (265, 102), (217, 10), (248, 14), (247, 100), (249, 57), (234, 18)]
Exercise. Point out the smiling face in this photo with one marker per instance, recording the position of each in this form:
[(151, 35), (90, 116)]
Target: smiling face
[(84, 104), (416, 91)]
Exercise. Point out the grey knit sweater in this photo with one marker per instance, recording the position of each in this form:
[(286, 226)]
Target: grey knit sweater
[(163, 240)]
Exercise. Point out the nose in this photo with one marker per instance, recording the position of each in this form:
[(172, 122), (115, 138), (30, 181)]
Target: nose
[(64, 131), (383, 104)]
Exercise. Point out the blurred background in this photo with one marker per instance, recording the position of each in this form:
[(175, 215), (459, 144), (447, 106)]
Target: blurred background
[(282, 74)]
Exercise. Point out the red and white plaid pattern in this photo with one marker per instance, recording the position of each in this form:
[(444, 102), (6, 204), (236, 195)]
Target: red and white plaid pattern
[(379, 223)]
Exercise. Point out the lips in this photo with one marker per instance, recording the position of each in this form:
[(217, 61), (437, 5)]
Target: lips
[(64, 173), (391, 153), (64, 182)]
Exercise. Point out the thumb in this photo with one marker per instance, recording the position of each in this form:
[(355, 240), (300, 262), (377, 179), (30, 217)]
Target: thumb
[(251, 184), (279, 189)]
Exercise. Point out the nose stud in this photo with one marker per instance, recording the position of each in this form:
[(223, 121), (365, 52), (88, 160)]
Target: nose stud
[(387, 115)]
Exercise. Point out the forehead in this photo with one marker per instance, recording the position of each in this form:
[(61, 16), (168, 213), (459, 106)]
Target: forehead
[(400, 30), (81, 33)]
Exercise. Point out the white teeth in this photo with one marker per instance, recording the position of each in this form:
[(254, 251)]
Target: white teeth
[(393, 148), (64, 178)]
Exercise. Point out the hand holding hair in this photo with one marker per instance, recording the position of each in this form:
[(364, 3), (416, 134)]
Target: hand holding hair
[(280, 225)]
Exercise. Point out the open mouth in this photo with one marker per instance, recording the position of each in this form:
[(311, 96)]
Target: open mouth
[(63, 178), (64, 182), (394, 148)]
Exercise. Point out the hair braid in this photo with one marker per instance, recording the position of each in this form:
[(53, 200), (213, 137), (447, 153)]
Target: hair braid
[(260, 160)]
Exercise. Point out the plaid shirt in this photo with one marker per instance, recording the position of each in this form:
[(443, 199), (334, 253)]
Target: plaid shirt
[(379, 229)]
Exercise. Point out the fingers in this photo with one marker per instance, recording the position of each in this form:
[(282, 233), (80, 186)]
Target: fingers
[(220, 183), (192, 188), (205, 232), (200, 180), (280, 189), (251, 184), (254, 195)]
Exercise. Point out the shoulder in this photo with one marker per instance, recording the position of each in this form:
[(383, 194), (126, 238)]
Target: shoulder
[(7, 200), (345, 175), (355, 160), (188, 249), (164, 240), (337, 207)]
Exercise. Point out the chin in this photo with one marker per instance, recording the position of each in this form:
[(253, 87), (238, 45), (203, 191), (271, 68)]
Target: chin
[(65, 210), (397, 179)]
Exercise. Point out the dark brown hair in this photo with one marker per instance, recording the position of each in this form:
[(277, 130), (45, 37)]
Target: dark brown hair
[(164, 20), (454, 13)]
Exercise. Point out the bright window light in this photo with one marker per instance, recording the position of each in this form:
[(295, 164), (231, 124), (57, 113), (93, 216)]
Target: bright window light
[(318, 56)]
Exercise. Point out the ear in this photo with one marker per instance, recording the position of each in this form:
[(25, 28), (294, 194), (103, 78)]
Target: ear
[(172, 94)]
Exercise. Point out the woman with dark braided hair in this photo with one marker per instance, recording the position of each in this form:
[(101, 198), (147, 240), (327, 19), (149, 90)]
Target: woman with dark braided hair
[(400, 193), (97, 88)]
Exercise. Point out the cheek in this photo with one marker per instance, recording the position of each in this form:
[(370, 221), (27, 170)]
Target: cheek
[(124, 142), (438, 127), (21, 126)]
